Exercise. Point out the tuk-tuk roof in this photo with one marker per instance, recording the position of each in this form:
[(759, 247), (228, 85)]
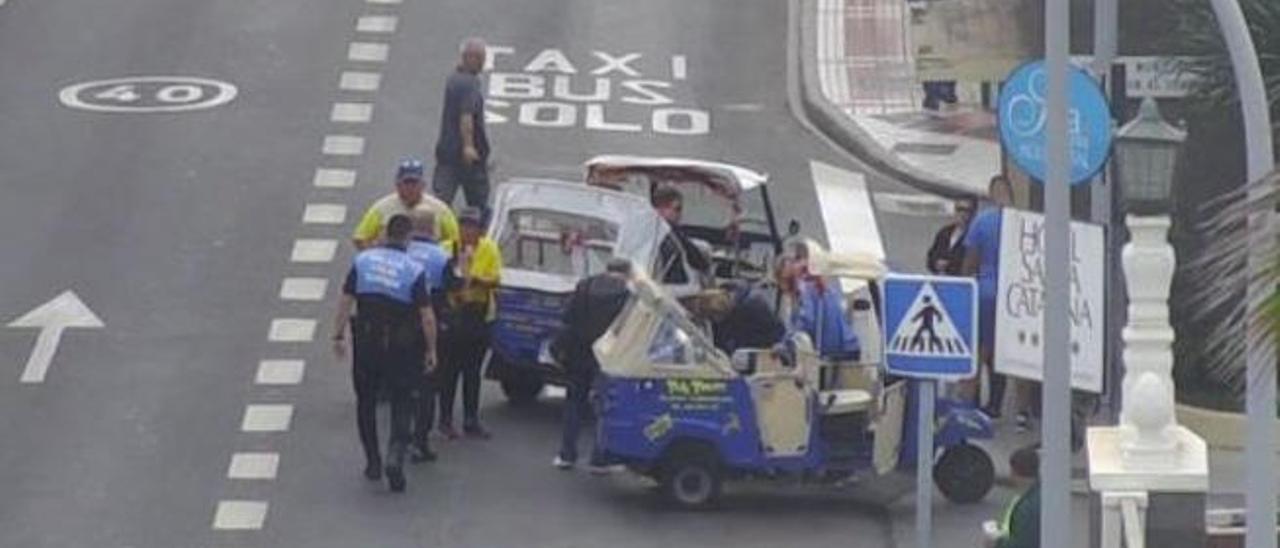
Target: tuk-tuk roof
[(727, 179), (640, 229), (848, 264)]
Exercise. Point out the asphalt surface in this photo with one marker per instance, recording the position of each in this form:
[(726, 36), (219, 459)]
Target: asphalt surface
[(176, 230)]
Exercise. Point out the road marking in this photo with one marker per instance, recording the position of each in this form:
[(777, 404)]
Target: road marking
[(679, 67), (388, 2), (240, 515), (253, 466), (369, 52), (359, 81), (334, 178), (303, 289), (379, 24), (52, 318), (324, 214), (147, 94), (280, 372), (343, 145), (267, 417), (742, 107), (313, 250), (292, 330), (352, 113)]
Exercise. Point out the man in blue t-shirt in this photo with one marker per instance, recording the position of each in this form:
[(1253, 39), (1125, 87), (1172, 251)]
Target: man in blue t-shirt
[(982, 259), (462, 148)]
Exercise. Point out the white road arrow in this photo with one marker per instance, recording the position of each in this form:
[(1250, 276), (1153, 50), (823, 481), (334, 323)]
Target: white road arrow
[(52, 318)]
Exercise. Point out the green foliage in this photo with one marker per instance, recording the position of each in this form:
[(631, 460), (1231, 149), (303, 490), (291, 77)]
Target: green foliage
[(1197, 32)]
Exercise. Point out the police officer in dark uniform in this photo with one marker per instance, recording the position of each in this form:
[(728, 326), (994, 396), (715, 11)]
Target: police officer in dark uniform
[(393, 337)]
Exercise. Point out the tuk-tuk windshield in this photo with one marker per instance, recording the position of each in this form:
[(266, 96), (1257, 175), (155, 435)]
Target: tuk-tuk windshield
[(557, 242)]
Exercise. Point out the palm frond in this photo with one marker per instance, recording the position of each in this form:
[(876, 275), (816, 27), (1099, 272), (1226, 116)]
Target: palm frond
[(1219, 276)]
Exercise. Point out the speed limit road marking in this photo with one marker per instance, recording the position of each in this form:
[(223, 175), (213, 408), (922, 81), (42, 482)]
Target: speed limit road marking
[(144, 94)]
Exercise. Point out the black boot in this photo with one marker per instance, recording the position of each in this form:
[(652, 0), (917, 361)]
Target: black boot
[(373, 468), (395, 468)]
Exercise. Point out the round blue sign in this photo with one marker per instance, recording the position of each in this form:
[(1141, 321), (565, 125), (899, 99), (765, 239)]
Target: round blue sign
[(1022, 119)]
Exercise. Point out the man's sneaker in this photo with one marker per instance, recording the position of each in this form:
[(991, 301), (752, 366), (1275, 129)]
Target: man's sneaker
[(395, 478), (448, 432), (993, 412), (421, 452), (561, 463), (1022, 421), (475, 431)]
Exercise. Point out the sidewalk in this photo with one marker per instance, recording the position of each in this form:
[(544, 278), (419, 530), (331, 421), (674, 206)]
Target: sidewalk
[(865, 70)]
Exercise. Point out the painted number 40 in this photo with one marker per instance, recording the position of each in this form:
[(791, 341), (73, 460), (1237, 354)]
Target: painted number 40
[(148, 94)]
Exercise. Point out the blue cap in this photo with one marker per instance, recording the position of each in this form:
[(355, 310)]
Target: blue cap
[(409, 170)]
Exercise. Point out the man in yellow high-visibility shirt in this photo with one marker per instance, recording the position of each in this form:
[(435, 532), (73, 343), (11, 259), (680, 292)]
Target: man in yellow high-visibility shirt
[(408, 197)]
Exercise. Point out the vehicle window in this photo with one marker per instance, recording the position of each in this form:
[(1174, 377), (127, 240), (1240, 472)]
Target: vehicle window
[(670, 345), (556, 242)]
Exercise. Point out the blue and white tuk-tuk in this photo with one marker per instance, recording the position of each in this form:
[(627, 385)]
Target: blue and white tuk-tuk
[(553, 234), (675, 408)]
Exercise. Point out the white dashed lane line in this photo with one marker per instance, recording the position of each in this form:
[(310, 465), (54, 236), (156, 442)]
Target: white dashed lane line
[(352, 113), (324, 214), (303, 289), (343, 145), (240, 515), (247, 515), (253, 466), (376, 24), (307, 250), (359, 81), (292, 330), (274, 417), (280, 372), (334, 178), (367, 52)]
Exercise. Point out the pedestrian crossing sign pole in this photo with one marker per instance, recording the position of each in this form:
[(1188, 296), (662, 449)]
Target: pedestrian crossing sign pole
[(930, 334), (931, 325)]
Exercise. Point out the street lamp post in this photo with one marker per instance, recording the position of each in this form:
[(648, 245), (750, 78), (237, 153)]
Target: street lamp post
[(1148, 451)]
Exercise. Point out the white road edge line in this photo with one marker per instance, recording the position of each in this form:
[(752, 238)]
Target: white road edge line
[(240, 515)]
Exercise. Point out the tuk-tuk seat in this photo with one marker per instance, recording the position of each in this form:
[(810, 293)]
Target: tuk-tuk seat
[(847, 400)]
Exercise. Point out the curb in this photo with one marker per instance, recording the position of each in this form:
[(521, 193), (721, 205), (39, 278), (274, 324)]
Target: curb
[(837, 126)]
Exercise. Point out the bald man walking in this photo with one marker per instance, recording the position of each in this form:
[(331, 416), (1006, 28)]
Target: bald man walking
[(462, 149)]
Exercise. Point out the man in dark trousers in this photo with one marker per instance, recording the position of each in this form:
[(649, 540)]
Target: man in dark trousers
[(393, 335), (434, 260), (595, 303), (741, 318), (462, 149)]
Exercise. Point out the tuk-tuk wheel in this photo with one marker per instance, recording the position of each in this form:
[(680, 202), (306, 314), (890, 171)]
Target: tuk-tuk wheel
[(964, 473), (522, 391), (690, 477)]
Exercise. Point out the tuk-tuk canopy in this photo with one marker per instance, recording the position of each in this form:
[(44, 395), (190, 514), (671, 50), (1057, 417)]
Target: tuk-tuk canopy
[(726, 180), (617, 223)]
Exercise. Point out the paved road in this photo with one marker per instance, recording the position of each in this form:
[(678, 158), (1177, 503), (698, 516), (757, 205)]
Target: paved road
[(177, 230)]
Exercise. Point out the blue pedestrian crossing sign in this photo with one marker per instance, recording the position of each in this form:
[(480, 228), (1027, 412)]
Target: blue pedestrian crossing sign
[(931, 326)]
